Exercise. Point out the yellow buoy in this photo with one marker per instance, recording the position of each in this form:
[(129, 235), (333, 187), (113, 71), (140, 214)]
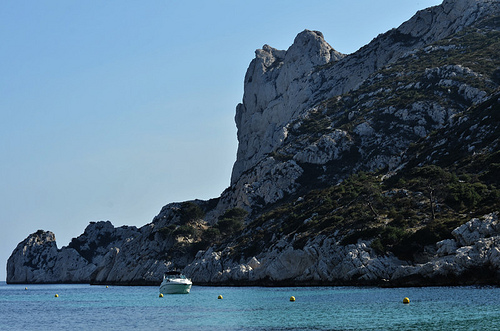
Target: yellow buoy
[(107, 286), (219, 297), (56, 296), (406, 300), (25, 288), (161, 295), (292, 298)]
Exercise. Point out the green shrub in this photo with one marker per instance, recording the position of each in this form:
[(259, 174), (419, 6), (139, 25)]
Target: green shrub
[(229, 226), (464, 195), (235, 213), (231, 221), (211, 235), (190, 211)]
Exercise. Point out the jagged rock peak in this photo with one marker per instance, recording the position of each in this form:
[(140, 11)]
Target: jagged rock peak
[(269, 55), (280, 85), (37, 260), (276, 90), (450, 17), (40, 238), (37, 239), (312, 45), (307, 44), (27, 256)]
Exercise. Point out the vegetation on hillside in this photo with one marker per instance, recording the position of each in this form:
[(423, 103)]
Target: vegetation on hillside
[(448, 177)]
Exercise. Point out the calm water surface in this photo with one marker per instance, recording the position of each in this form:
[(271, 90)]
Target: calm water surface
[(85, 307)]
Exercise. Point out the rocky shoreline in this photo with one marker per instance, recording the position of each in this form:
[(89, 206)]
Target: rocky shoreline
[(471, 258), (322, 261)]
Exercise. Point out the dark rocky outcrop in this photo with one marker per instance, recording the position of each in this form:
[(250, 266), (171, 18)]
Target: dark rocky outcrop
[(37, 260)]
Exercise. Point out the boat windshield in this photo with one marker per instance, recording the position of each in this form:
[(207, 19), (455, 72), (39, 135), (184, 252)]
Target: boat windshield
[(174, 276)]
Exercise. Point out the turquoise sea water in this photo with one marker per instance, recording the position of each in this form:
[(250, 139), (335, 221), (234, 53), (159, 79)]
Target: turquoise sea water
[(85, 307)]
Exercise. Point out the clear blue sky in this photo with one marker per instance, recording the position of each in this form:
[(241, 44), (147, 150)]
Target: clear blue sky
[(112, 109)]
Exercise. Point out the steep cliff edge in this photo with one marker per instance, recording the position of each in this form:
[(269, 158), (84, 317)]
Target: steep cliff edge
[(37, 260), (281, 85), (282, 89), (277, 87), (379, 167)]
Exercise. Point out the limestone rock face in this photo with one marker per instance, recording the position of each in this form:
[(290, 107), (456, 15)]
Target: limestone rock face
[(448, 18), (475, 249), (102, 254), (323, 261), (328, 147), (124, 255), (37, 260), (283, 86), (277, 87), (476, 228)]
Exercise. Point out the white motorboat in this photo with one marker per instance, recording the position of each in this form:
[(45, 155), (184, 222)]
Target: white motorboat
[(175, 283)]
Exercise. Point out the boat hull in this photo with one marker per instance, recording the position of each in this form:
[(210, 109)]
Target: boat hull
[(175, 288)]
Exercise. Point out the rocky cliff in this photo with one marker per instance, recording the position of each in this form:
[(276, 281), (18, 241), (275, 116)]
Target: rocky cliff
[(102, 254), (378, 167), (475, 249), (283, 87)]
